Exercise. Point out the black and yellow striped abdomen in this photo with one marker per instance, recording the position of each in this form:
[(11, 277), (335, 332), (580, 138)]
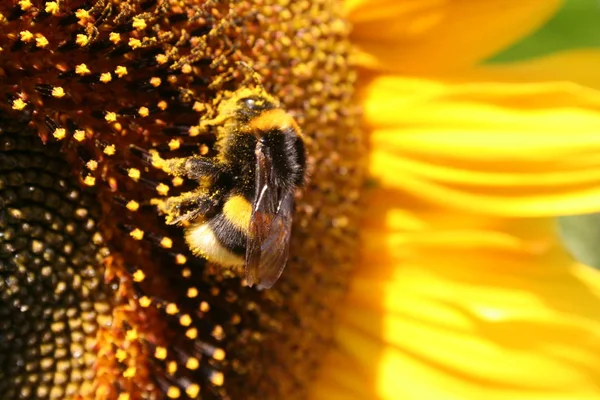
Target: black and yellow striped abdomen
[(222, 238)]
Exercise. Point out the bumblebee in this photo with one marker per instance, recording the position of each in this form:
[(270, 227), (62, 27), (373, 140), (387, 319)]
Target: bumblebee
[(241, 212)]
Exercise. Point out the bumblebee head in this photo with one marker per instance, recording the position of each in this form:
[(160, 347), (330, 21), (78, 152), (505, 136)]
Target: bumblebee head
[(246, 104), (251, 107)]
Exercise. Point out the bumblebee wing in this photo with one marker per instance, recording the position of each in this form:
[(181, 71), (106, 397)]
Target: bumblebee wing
[(267, 257), (267, 248)]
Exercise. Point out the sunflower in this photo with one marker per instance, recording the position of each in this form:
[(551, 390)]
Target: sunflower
[(463, 289), (458, 259), (100, 298)]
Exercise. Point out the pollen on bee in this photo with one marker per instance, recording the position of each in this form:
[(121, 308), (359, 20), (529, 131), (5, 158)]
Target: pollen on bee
[(58, 92), (105, 77), (156, 160), (198, 107), (160, 353), (82, 69), (193, 390), (137, 234), (192, 363), (166, 242), (110, 116), (132, 205), (139, 276), (180, 259), (162, 189), (162, 105), (121, 71), (59, 133), (124, 396)]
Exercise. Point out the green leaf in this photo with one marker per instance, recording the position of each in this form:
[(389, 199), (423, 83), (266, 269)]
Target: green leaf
[(581, 236), (575, 25)]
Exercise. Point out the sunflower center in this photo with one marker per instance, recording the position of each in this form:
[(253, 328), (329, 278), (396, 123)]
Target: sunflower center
[(53, 300), (115, 80)]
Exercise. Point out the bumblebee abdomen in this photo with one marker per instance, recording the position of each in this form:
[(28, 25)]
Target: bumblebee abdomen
[(237, 211), (215, 245), (287, 156), (222, 238)]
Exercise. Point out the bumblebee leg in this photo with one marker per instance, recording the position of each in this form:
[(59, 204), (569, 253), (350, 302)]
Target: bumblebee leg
[(186, 206), (194, 167), (217, 121)]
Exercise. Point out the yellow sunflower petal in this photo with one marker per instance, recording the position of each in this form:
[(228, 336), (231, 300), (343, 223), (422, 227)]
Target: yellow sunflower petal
[(514, 149), (567, 66), (439, 35), (455, 310)]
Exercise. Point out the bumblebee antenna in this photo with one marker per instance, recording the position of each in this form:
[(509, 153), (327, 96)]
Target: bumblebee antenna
[(255, 75)]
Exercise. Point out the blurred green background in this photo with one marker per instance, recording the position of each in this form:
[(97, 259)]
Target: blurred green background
[(577, 25)]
